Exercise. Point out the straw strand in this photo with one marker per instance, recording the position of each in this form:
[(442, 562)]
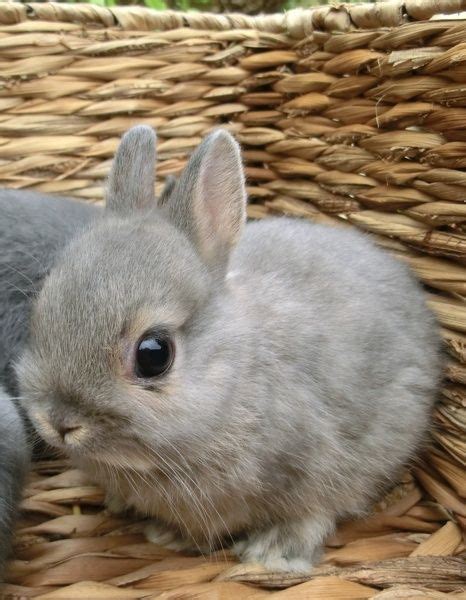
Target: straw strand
[(297, 23)]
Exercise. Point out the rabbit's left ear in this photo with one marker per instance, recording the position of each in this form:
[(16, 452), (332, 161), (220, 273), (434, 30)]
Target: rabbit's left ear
[(208, 201), (132, 176)]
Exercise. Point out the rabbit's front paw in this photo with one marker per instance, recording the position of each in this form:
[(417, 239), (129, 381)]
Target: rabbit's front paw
[(159, 534), (294, 547), (115, 504), (273, 558), (270, 554)]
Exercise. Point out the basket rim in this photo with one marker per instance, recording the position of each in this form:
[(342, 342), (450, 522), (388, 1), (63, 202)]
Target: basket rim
[(296, 23)]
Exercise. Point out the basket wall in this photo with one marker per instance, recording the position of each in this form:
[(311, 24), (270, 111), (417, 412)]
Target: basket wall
[(350, 116)]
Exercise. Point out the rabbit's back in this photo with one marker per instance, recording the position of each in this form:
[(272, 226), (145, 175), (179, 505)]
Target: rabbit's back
[(352, 352), (338, 280)]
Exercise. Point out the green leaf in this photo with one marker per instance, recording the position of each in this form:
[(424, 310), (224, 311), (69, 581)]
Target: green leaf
[(156, 4)]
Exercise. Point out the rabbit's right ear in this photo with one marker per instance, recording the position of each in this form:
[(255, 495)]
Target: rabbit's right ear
[(132, 176), (208, 202)]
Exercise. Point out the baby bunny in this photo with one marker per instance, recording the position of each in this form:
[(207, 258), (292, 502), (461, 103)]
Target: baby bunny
[(242, 384)]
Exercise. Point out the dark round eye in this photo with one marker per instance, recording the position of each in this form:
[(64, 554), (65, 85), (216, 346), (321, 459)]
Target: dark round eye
[(154, 355)]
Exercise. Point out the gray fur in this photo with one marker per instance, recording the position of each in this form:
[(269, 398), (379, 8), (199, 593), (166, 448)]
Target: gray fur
[(303, 379), (13, 464), (132, 178), (33, 229)]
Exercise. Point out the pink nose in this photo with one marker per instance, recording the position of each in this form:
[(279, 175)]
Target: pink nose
[(63, 430)]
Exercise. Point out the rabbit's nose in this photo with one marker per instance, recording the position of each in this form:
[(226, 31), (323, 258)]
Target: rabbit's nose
[(64, 430)]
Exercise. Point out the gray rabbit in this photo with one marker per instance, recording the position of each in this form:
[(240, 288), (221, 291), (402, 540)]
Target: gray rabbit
[(244, 385)]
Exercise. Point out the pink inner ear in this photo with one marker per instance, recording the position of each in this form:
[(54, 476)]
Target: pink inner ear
[(219, 198), (209, 206)]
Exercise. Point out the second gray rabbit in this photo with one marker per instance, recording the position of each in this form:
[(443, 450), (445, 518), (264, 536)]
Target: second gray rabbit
[(245, 385)]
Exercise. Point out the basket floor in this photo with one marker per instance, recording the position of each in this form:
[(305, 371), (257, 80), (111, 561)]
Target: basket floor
[(68, 546)]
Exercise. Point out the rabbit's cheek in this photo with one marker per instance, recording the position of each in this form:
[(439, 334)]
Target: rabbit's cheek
[(137, 461), (122, 453)]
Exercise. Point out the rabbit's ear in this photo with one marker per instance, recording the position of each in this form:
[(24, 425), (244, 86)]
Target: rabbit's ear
[(209, 199), (132, 176)]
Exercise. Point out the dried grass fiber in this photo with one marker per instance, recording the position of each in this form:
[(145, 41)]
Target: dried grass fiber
[(353, 116)]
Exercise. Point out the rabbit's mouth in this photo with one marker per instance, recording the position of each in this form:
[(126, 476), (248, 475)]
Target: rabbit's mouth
[(62, 436), (101, 442)]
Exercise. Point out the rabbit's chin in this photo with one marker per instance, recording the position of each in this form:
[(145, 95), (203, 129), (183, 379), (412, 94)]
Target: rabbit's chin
[(115, 458)]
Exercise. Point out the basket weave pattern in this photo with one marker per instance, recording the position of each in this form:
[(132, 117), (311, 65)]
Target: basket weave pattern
[(352, 116)]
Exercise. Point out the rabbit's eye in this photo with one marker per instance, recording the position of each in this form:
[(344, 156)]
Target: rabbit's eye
[(154, 355)]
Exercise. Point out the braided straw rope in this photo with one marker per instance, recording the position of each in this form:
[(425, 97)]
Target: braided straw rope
[(351, 116), (296, 23)]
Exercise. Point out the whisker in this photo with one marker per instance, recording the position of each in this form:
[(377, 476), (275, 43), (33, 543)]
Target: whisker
[(23, 275)]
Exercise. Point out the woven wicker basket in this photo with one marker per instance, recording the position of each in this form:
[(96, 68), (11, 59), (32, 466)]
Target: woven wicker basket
[(353, 116)]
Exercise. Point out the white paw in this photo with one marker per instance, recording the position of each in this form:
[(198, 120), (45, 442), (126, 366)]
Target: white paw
[(264, 550), (272, 560), (293, 547), (287, 564), (115, 504), (166, 538)]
